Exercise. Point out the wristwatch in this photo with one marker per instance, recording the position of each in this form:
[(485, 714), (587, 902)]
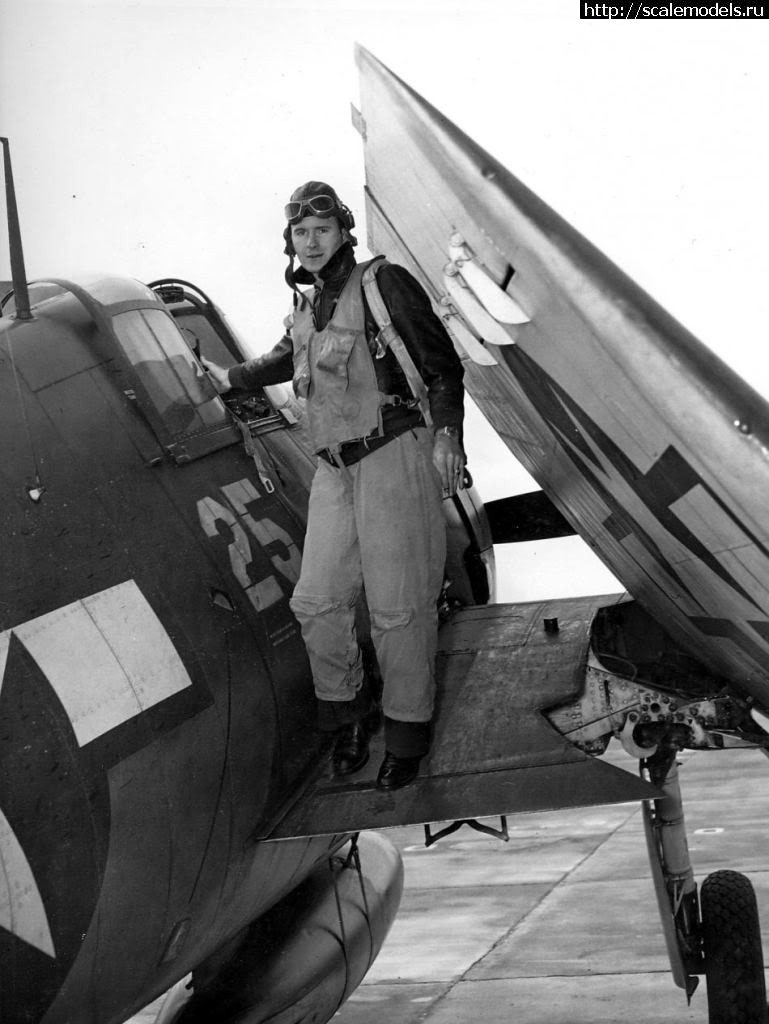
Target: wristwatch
[(449, 432)]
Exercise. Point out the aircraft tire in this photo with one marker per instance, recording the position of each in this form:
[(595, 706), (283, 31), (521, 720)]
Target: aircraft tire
[(734, 962)]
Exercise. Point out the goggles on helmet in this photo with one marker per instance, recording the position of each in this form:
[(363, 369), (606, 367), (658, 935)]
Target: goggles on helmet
[(320, 206)]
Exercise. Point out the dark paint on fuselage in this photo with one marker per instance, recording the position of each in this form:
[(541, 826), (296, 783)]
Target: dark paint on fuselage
[(156, 565), (155, 813)]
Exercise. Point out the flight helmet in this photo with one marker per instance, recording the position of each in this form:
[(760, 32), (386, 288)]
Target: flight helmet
[(315, 199)]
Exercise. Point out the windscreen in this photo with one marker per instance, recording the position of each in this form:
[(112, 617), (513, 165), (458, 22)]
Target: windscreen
[(180, 392)]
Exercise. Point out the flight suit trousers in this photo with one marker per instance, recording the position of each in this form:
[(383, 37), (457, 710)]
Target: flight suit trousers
[(377, 524)]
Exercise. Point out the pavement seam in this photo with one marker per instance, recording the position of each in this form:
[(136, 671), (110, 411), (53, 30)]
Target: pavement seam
[(460, 979)]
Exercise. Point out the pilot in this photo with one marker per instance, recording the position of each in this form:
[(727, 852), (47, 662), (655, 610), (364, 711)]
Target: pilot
[(375, 520)]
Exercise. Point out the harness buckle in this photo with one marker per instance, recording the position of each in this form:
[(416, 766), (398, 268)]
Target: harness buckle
[(399, 400)]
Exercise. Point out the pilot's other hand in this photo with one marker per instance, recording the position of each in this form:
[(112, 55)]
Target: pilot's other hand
[(449, 460), (218, 374)]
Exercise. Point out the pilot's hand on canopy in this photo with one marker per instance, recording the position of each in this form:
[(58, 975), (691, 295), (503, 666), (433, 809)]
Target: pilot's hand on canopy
[(449, 460), (218, 374)]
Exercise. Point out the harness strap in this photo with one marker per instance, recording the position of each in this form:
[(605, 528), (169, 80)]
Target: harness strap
[(388, 337), (256, 449)]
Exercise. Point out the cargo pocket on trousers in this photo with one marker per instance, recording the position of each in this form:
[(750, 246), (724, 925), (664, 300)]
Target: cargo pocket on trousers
[(327, 631), (387, 621)]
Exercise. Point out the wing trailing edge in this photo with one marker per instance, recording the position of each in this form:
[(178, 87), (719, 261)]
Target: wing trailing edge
[(525, 517)]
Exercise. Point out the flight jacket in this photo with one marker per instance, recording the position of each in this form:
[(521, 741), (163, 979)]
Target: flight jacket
[(421, 330)]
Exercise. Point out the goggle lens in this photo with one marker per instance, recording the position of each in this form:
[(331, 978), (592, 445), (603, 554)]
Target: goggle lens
[(321, 206)]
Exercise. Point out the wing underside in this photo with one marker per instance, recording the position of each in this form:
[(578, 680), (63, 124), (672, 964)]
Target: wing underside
[(652, 448)]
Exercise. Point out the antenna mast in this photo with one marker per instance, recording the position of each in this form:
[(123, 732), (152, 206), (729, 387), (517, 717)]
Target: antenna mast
[(18, 272)]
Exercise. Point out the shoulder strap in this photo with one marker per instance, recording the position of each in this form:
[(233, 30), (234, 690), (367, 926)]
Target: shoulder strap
[(388, 337)]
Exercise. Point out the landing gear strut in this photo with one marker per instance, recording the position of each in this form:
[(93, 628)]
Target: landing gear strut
[(719, 935)]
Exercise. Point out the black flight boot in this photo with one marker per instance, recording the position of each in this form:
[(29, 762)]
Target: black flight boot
[(397, 771), (406, 743), (350, 749)]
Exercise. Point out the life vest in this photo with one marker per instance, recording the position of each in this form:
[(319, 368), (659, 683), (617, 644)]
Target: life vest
[(334, 371)]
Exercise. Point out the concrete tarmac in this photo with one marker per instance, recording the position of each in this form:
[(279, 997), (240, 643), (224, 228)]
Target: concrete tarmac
[(560, 924)]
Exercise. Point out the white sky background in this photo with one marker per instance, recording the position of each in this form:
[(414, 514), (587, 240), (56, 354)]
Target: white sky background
[(154, 140)]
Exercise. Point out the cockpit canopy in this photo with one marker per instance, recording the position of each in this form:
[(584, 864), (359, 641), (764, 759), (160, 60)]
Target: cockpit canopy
[(124, 320)]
